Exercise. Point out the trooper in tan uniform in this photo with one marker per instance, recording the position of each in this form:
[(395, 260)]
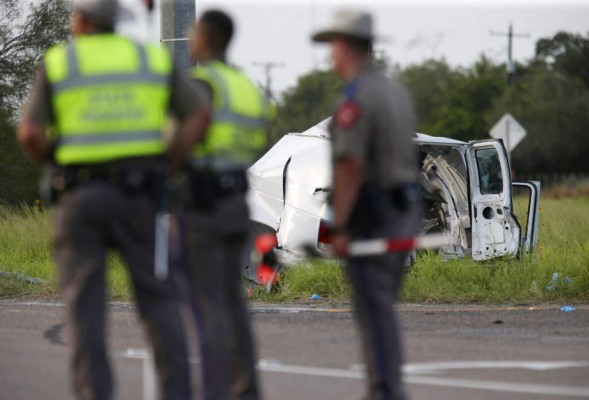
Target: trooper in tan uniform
[(105, 100), (374, 190)]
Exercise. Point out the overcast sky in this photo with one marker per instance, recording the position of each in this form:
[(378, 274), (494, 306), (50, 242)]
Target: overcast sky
[(414, 30)]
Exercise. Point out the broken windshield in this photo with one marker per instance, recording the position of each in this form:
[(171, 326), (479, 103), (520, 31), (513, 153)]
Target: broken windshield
[(490, 177)]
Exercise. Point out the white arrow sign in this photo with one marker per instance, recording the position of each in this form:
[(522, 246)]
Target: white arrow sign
[(508, 129)]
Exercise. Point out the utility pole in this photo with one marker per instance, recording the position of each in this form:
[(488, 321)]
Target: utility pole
[(268, 66), (510, 76), (510, 35), (175, 19)]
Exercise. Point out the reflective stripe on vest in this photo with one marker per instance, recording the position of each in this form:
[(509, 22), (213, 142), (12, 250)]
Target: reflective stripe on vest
[(238, 131), (110, 97)]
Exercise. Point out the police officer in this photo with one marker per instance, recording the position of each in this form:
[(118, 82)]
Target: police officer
[(374, 190), (104, 99), (217, 215)]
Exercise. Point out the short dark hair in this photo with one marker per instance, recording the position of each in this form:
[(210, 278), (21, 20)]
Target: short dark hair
[(99, 25), (220, 28)]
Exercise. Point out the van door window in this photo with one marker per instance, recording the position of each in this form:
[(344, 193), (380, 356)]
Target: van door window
[(490, 177)]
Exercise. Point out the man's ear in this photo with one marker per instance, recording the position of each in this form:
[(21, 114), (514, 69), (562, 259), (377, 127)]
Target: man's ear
[(80, 23), (206, 38)]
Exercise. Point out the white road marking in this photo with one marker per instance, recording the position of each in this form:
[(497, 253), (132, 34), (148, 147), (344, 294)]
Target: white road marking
[(276, 366), (555, 390), (412, 378), (31, 303), (413, 371), (439, 367)]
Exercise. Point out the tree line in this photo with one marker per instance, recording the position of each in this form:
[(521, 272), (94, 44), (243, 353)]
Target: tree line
[(26, 31), (549, 97)]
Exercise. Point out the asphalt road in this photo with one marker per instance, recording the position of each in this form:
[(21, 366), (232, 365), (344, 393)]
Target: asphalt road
[(452, 352)]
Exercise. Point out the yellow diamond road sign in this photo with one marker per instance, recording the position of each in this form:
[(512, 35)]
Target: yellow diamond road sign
[(508, 129)]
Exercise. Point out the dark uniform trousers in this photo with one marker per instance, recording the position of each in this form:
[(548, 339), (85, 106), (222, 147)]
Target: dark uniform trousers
[(88, 221), (215, 240), (375, 285)]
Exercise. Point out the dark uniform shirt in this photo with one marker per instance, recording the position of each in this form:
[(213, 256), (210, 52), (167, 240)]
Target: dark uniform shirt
[(374, 122)]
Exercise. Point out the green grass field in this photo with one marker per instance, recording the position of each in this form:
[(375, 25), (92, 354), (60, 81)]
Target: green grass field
[(563, 248), (25, 249), (26, 252)]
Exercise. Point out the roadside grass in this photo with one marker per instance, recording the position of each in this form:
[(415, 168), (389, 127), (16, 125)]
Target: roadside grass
[(558, 271), (563, 248), (323, 278), (26, 256), (119, 283), (25, 251), (523, 281)]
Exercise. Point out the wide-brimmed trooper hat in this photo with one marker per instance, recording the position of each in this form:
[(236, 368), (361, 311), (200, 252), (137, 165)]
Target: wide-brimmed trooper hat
[(348, 23)]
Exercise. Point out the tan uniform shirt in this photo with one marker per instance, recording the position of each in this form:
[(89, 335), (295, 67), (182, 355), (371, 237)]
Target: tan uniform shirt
[(375, 122)]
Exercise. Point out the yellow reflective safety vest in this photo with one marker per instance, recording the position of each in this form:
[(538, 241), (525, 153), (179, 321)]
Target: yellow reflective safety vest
[(238, 130), (110, 98)]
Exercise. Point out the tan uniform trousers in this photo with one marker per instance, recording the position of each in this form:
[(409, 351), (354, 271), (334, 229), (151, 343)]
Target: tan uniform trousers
[(89, 221), (375, 283)]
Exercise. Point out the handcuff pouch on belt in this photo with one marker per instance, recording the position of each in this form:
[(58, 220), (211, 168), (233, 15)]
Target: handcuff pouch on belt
[(132, 181), (208, 187)]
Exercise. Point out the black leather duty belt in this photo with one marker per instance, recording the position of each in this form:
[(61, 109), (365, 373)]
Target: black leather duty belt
[(208, 187), (130, 180)]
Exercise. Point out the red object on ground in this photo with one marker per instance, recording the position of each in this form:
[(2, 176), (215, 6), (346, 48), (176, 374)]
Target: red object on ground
[(267, 275)]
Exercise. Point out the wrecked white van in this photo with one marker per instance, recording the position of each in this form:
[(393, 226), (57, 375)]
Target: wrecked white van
[(467, 194)]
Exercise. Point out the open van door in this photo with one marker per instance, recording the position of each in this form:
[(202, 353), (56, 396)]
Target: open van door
[(495, 231), (528, 193)]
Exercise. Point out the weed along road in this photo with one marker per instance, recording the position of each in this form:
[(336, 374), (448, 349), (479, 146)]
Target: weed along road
[(311, 352)]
